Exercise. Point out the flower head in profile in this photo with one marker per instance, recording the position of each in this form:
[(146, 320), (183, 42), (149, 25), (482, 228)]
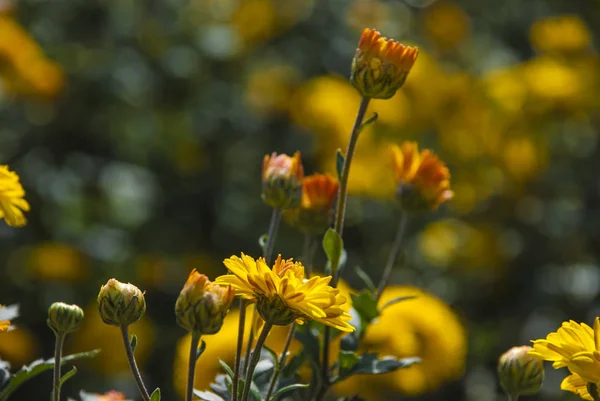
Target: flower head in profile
[(12, 202), (4, 324), (315, 212), (202, 305), (283, 295), (380, 66), (282, 180), (423, 180), (575, 346), (520, 373), (120, 304)]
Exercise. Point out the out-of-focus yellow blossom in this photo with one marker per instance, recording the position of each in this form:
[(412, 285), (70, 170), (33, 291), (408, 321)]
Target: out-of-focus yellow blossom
[(380, 66), (12, 201), (269, 88), (283, 295), (430, 330), (507, 89), (576, 385), (19, 347), (361, 13), (315, 213), (575, 346), (553, 83), (446, 24), (95, 334), (255, 20), (523, 159), (57, 261), (423, 180), (563, 33), (519, 373), (28, 70)]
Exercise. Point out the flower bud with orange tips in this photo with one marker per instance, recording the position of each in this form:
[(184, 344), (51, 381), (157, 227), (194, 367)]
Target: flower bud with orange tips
[(282, 180)]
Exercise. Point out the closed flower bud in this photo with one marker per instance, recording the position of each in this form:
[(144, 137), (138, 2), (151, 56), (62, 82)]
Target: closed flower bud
[(121, 304), (64, 318), (380, 66), (520, 373), (282, 180), (315, 213), (275, 311), (202, 305)]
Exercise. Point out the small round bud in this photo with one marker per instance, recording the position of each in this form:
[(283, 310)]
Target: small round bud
[(520, 373), (282, 180), (64, 318), (121, 304), (201, 305)]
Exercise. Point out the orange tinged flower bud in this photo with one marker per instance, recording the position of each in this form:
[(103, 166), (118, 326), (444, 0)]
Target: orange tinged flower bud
[(380, 66), (315, 213), (282, 180), (423, 180), (201, 305)]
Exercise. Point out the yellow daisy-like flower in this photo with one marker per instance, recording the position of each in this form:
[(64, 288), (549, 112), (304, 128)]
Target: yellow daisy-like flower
[(282, 294), (575, 384), (423, 179), (4, 324), (575, 346), (12, 203)]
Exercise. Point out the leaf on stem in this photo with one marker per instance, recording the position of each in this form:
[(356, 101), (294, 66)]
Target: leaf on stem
[(287, 389), (262, 242), (273, 355), (369, 122), (333, 245), (133, 342), (200, 349), (207, 396), (67, 376), (366, 279), (155, 395), (371, 364), (340, 159), (395, 301), (226, 368)]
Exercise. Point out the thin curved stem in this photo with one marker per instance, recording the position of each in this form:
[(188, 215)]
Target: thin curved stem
[(238, 351), (308, 253), (58, 346), (282, 357), (254, 360), (133, 365), (192, 366), (272, 234), (387, 271)]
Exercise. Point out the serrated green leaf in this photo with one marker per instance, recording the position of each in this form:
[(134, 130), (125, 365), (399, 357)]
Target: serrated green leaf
[(37, 367), (133, 342), (395, 301), (371, 364), (333, 246), (67, 376), (200, 349), (369, 122), (339, 163), (207, 396), (155, 395), (287, 389), (366, 279), (227, 368)]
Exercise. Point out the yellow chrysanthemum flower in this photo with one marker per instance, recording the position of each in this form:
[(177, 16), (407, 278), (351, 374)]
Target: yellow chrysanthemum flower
[(4, 324), (575, 346), (12, 203), (282, 294), (575, 384)]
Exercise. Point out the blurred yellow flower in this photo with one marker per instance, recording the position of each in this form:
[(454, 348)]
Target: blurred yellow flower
[(430, 330), (422, 179), (57, 261), (4, 324), (522, 158), (563, 33), (270, 87), (576, 385), (18, 347), (12, 202), (553, 83), (446, 24), (95, 334), (283, 295)]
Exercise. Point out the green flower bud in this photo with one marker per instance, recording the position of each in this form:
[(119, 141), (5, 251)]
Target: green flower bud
[(120, 304), (282, 180), (275, 311), (64, 318), (519, 373)]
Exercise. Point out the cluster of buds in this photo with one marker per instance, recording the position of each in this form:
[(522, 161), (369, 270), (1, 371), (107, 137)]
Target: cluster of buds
[(282, 180), (315, 213), (64, 318), (380, 66), (202, 306), (121, 304), (520, 373)]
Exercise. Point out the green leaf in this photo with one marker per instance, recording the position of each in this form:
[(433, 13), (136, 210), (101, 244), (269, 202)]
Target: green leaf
[(369, 122), (37, 367), (207, 396), (365, 278), (365, 304), (395, 301), (339, 163), (67, 376), (348, 359), (227, 368), (201, 349), (155, 395), (333, 246), (274, 356), (287, 389), (293, 365), (370, 364), (262, 241), (133, 342)]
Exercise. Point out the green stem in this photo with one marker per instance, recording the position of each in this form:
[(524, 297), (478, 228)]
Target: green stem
[(133, 365), (60, 339), (513, 397), (308, 252), (387, 271), (282, 357), (272, 234), (238, 351), (192, 366), (254, 360)]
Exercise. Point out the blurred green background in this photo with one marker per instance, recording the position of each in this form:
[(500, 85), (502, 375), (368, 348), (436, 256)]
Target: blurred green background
[(138, 130)]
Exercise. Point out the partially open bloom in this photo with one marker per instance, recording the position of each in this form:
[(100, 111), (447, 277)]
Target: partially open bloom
[(4, 324), (202, 305), (121, 304), (282, 180), (64, 318), (316, 209), (519, 373), (577, 347), (380, 66), (12, 202), (575, 384), (423, 180), (283, 295)]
